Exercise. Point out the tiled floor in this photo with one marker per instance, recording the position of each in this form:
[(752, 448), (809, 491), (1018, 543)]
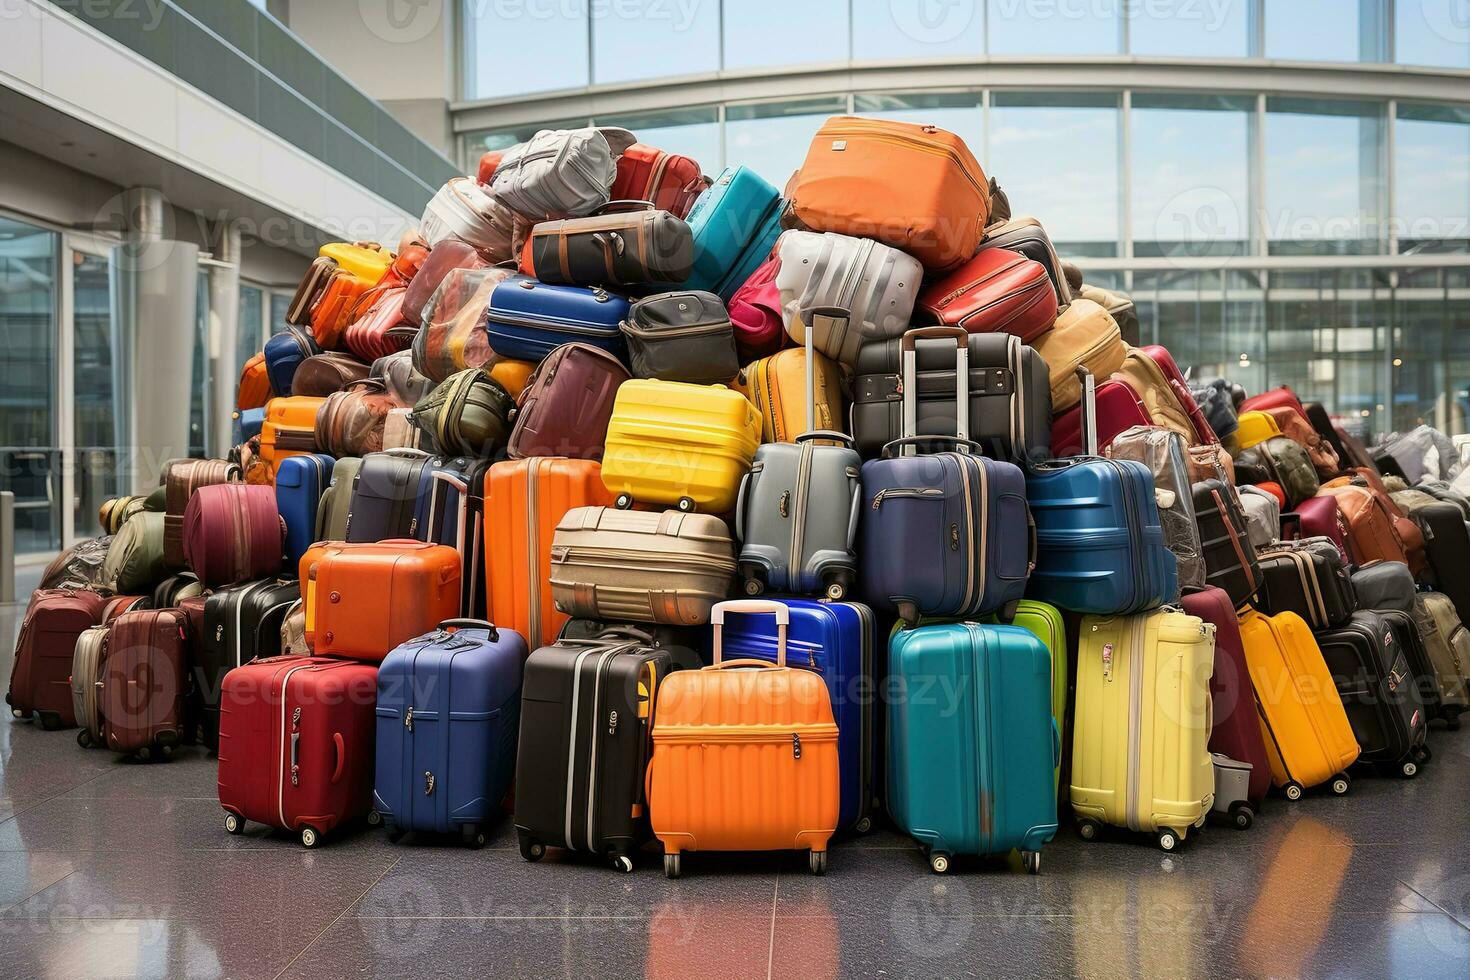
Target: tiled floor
[(118, 869)]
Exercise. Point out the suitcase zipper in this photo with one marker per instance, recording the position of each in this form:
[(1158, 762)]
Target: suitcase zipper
[(795, 567), (675, 332), (593, 755), (786, 736), (499, 318), (1019, 445), (570, 555), (896, 492), (975, 573), (290, 735)]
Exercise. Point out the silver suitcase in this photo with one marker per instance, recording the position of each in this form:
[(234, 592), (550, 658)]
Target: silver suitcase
[(86, 685), (874, 285)]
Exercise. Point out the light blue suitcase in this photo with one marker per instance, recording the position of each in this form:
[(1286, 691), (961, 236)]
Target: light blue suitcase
[(972, 745), (735, 223), (300, 482)]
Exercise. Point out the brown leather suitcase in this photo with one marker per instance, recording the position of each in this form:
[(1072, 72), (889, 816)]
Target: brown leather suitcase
[(566, 405), (322, 374), (996, 291), (181, 477), (144, 682), (350, 421), (616, 249)]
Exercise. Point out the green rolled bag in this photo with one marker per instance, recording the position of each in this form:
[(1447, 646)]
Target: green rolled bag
[(134, 562), (470, 414), (335, 505)]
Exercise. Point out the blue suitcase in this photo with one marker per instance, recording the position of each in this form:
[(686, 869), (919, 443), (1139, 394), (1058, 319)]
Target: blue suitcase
[(248, 424), (735, 224), (945, 536), (283, 355), (972, 772), (448, 715), (526, 319), (300, 482), (451, 510), (835, 639)]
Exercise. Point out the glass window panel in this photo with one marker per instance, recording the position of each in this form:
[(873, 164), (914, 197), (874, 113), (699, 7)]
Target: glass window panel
[(503, 139), (29, 465), (691, 132), (1190, 29), (1072, 193), (1052, 27), (761, 33), (280, 306), (686, 37), (772, 138), (518, 46), (1324, 30), (889, 29), (94, 426), (1191, 183), (249, 334), (1324, 178), (198, 402), (1432, 178), (1432, 32), (958, 112)]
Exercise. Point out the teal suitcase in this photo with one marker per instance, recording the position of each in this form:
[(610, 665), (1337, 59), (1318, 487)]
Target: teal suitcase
[(735, 224), (984, 694)]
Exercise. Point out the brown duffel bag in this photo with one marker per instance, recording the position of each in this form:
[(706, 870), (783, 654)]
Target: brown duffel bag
[(350, 421)]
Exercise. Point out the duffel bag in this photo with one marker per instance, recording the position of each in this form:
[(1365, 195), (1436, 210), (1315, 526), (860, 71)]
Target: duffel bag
[(233, 533), (468, 415)]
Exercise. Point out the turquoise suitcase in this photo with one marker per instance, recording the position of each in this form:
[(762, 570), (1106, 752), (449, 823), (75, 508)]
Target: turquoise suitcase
[(735, 224), (983, 695)]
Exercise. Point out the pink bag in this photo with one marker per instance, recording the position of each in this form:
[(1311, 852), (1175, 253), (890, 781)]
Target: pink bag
[(755, 310), (233, 533), (443, 259), (380, 330)]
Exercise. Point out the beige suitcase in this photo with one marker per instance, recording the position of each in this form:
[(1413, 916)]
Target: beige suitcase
[(1448, 643), (643, 566), (400, 433), (1085, 335), (86, 685)]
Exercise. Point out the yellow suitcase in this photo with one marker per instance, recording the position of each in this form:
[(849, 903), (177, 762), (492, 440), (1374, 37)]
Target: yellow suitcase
[(776, 386), (681, 444), (1141, 725), (1308, 737), (365, 260), (1255, 428)]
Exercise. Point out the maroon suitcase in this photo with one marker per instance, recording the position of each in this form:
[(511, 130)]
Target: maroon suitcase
[(566, 404), (40, 679), (233, 533), (296, 744), (1318, 517), (120, 604), (1237, 731), (1118, 409), (1204, 434), (143, 682), (996, 291)]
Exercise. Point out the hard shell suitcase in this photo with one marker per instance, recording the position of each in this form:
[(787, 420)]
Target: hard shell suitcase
[(1140, 751), (284, 353), (233, 533), (384, 497), (1162, 451), (241, 623), (525, 500), (838, 641), (567, 404), (681, 336), (448, 713), (1253, 428), (53, 620), (86, 685), (1318, 517), (623, 244), (247, 424), (145, 682), (312, 717), (846, 291), (669, 181), (766, 728), (1025, 235), (1118, 409), (993, 788), (1308, 738), (776, 386), (364, 601), (672, 443), (378, 328), (1447, 642), (735, 224), (451, 510), (1230, 561), (995, 291), (1377, 689), (335, 506), (1313, 583), (254, 387), (1084, 336), (181, 477), (585, 744), (527, 320), (300, 483), (1276, 397), (289, 429)]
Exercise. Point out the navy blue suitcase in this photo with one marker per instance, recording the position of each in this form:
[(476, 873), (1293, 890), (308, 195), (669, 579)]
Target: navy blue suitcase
[(283, 355), (837, 640), (451, 510), (300, 481), (526, 319), (735, 224), (448, 713)]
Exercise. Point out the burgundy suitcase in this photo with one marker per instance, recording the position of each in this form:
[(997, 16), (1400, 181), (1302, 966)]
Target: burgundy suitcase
[(566, 404), (120, 604), (1118, 409), (1318, 517), (144, 682), (296, 744), (1237, 731), (233, 533), (996, 291), (1204, 435), (40, 679)]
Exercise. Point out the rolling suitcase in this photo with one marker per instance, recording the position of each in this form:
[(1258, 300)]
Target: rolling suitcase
[(1045, 622), (1313, 583), (1447, 642), (526, 320), (525, 500), (585, 746), (837, 641), (769, 730), (1446, 548), (315, 718), (1372, 532), (1384, 585), (385, 496), (448, 712), (362, 601), (86, 685), (1262, 512), (735, 224), (1230, 561), (1377, 689), (1423, 674), (174, 588), (53, 620), (1141, 730), (1308, 738), (289, 429), (241, 623), (145, 682), (567, 403), (233, 533), (844, 291), (996, 291), (300, 483), (451, 510), (335, 506), (777, 387)]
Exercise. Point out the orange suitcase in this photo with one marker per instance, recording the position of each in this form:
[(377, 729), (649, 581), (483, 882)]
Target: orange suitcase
[(744, 755), (525, 499), (254, 389), (362, 600), (289, 429)]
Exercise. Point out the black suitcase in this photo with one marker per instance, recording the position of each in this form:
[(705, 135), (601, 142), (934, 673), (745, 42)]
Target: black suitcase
[(1371, 670), (585, 742), (241, 622), (385, 495), (687, 645), (1383, 585), (451, 510), (1311, 582), (1230, 560), (1426, 679), (1447, 551)]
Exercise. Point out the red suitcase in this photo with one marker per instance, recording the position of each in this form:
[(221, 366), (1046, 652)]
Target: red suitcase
[(646, 173), (997, 291), (233, 533), (1318, 517), (1237, 731), (1165, 361), (362, 600), (1118, 409), (40, 679), (296, 744), (120, 604), (1282, 397), (143, 682)]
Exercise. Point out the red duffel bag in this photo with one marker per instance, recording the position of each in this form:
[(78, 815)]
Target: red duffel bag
[(233, 533)]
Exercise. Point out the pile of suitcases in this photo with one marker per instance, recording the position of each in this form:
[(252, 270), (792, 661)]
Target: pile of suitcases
[(687, 509)]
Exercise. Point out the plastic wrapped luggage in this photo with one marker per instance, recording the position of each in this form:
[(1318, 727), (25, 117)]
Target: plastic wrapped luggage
[(144, 683), (445, 257), (567, 404), (1377, 689), (78, 567), (1230, 561), (1162, 451), (1084, 336), (54, 619), (300, 483), (735, 224), (448, 712), (241, 623), (86, 685), (1447, 642), (364, 600), (463, 211), (1214, 400), (233, 533), (995, 291), (453, 336), (526, 320), (181, 477), (993, 789), (847, 291)]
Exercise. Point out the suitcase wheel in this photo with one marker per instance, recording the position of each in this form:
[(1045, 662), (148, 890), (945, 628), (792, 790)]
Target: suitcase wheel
[(532, 850), (1409, 769), (623, 863), (234, 824), (1169, 839), (1422, 754), (1340, 784), (1032, 860), (672, 868), (751, 582), (374, 818), (1242, 816), (938, 862), (838, 585), (817, 862), (143, 754), (310, 837), (1088, 829), (624, 501), (863, 825), (686, 505), (472, 836), (1293, 790), (84, 738)]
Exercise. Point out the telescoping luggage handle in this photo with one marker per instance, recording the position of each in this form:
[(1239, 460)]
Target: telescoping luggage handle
[(809, 316), (752, 607), (1089, 410), (909, 357)]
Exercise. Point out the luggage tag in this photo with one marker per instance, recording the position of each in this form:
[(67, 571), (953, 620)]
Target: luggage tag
[(1107, 661)]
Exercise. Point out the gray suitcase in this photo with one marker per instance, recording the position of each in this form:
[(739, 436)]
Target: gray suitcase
[(336, 502), (86, 685)]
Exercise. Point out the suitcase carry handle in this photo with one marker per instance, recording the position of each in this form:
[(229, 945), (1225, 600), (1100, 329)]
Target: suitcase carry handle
[(740, 506), (624, 205), (807, 316), (1089, 410), (471, 624), (909, 381), (339, 746), (910, 337), (753, 607), (915, 440), (829, 434)]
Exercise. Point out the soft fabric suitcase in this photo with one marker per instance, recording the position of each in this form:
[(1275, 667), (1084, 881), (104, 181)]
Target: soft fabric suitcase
[(1441, 490), (1230, 561), (1151, 372), (1120, 307), (1422, 675), (1118, 409), (1141, 729), (669, 181), (134, 561), (366, 600), (995, 291), (1313, 583), (560, 172), (1384, 585), (385, 496), (1084, 336), (1294, 425), (315, 718), (525, 500), (755, 313), (672, 443), (300, 483), (1024, 234), (777, 386), (681, 336), (53, 620), (838, 641), (846, 291), (1262, 512), (233, 533), (284, 353), (1372, 532), (1308, 738), (527, 320), (145, 682), (86, 685), (350, 421), (181, 477), (770, 731), (451, 510), (1447, 642), (1318, 517), (1214, 401), (644, 566), (470, 414), (993, 788), (400, 378), (567, 404), (335, 506), (1162, 451), (915, 188), (1378, 691), (735, 224), (613, 248), (241, 623), (585, 745), (448, 713)]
